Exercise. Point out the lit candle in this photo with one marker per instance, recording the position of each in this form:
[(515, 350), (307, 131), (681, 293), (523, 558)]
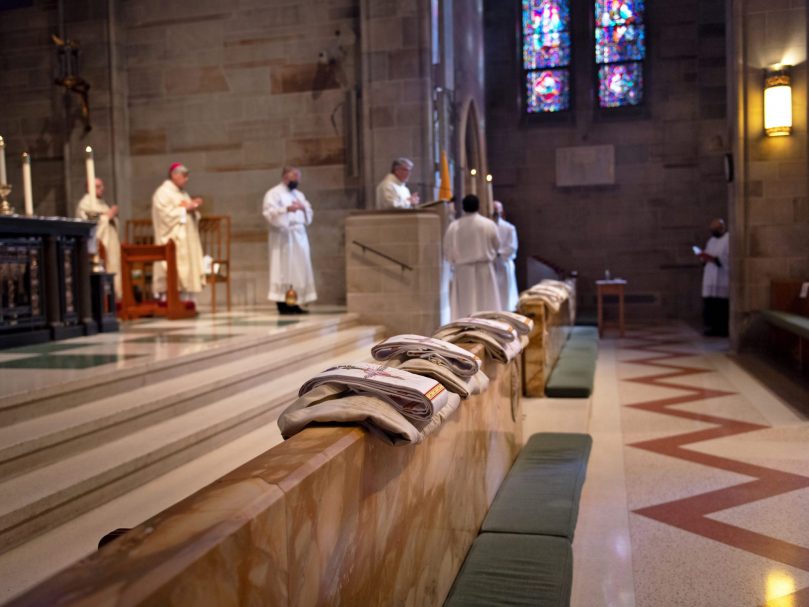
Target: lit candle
[(489, 184), (473, 186), (26, 184), (91, 174), (3, 179)]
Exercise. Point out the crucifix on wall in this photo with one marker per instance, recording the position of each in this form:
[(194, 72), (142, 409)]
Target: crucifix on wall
[(69, 75)]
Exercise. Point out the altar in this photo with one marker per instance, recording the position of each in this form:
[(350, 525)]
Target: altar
[(44, 280)]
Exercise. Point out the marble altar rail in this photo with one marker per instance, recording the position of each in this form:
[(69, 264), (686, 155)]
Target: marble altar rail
[(333, 515)]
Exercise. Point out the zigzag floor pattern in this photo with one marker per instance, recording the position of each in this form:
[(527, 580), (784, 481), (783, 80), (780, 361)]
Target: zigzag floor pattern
[(690, 514)]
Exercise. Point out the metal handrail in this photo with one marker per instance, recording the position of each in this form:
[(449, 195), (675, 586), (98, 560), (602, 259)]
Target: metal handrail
[(365, 247)]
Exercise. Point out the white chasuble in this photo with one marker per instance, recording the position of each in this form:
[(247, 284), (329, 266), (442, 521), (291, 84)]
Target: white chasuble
[(172, 222), (392, 193), (504, 265), (106, 232), (290, 261), (471, 246)]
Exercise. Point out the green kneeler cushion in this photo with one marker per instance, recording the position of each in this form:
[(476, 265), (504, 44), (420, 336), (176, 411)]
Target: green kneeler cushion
[(512, 569), (541, 492), (794, 323), (573, 376)]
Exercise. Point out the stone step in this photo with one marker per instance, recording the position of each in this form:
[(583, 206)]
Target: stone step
[(30, 404), (39, 500), (36, 442)]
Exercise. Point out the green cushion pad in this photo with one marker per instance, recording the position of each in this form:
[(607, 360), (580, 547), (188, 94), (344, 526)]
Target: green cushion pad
[(541, 492), (571, 378), (794, 323), (509, 569)]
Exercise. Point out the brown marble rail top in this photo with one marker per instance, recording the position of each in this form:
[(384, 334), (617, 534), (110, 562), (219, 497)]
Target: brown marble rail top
[(331, 516)]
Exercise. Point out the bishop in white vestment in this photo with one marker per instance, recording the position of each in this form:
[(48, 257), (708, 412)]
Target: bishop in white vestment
[(95, 208), (471, 246), (175, 217), (504, 264), (288, 213)]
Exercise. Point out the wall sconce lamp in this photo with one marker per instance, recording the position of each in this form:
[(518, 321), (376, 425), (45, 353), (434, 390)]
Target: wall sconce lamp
[(473, 172), (777, 101)]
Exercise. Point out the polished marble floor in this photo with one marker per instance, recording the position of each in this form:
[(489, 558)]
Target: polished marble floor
[(698, 485), (138, 343)]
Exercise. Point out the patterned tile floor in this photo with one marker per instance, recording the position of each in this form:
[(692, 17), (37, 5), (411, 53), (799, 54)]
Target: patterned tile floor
[(698, 485)]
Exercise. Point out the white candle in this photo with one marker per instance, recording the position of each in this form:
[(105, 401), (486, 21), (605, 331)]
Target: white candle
[(91, 174), (3, 178), (491, 190), (26, 184), (473, 185)]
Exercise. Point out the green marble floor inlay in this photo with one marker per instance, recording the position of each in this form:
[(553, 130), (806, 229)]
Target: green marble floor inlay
[(179, 339), (65, 361), (48, 348)]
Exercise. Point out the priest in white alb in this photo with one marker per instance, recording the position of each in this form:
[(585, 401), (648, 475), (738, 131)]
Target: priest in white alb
[(471, 246), (175, 216), (288, 213), (95, 208), (504, 264), (392, 192)]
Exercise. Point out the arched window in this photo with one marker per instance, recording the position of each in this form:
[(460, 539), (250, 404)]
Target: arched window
[(546, 55), (620, 50)]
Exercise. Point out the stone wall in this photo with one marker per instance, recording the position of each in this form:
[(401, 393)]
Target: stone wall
[(669, 178), (38, 117), (770, 200), (236, 93)]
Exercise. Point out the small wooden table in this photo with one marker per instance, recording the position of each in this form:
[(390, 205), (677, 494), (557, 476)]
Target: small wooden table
[(610, 287)]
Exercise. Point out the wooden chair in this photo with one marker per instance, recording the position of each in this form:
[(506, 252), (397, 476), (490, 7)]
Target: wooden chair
[(141, 254), (214, 234)]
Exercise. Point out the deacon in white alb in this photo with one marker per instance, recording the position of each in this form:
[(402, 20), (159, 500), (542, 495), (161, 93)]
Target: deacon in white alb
[(175, 217), (504, 264), (288, 213), (97, 209), (392, 193), (471, 246)]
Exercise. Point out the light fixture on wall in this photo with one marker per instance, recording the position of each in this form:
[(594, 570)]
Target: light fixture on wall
[(777, 101)]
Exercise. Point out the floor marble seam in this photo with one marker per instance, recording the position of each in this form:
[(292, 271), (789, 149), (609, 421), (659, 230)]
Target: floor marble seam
[(691, 513)]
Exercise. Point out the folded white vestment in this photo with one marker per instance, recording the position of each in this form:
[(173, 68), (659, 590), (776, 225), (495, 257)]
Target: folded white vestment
[(335, 403), (501, 331), (522, 324), (459, 361), (416, 397), (462, 386)]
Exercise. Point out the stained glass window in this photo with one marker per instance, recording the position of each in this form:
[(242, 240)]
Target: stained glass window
[(546, 54), (620, 47)]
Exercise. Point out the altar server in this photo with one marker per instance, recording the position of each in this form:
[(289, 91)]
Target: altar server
[(95, 208), (288, 213), (175, 216), (716, 280), (504, 264), (470, 246)]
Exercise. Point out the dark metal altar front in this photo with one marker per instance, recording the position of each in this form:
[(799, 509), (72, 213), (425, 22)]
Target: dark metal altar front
[(44, 280)]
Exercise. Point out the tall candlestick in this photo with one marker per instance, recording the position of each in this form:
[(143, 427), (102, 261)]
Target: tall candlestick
[(26, 184), (473, 185), (91, 174), (491, 191), (3, 178)]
